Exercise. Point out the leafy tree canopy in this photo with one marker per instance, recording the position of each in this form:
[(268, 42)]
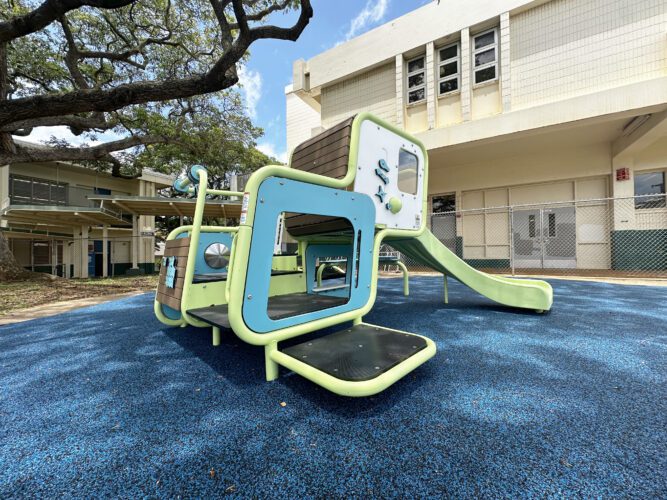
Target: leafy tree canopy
[(157, 74)]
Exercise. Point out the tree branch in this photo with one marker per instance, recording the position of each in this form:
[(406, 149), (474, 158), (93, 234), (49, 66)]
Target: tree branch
[(25, 152), (6, 142), (78, 124), (285, 33), (258, 16), (83, 101), (47, 13)]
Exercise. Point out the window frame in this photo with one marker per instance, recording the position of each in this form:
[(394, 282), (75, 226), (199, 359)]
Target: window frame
[(33, 201), (408, 74), (451, 194), (400, 169), (442, 62), (649, 196), (551, 216), (494, 63)]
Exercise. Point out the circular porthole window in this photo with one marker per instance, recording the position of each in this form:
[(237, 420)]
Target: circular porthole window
[(216, 255)]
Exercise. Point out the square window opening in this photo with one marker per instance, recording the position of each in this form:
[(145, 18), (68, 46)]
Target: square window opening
[(408, 175), (485, 56), (416, 80), (449, 69), (649, 184), (329, 278)]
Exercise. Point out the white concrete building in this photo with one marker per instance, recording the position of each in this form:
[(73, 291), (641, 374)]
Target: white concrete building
[(519, 103)]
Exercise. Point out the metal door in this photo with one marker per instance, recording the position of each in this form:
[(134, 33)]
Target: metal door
[(544, 238), (559, 238), (527, 238)]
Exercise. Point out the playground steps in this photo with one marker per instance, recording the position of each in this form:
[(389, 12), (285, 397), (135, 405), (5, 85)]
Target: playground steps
[(279, 306), (358, 361)]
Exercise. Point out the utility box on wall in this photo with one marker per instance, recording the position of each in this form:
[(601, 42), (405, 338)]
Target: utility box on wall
[(623, 174)]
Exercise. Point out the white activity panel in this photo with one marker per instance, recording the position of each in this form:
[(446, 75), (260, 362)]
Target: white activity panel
[(390, 169)]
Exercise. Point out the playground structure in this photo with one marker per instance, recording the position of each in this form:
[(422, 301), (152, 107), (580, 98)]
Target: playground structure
[(346, 192)]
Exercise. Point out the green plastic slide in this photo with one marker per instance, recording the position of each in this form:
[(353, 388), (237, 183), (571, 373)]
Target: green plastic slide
[(429, 251)]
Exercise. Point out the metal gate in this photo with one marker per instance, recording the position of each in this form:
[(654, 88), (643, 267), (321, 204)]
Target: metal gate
[(544, 238)]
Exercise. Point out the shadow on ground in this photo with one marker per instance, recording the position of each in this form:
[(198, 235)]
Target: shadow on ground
[(106, 401)]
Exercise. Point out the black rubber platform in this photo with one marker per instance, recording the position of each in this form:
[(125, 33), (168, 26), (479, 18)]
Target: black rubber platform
[(214, 315), (294, 304), (281, 306), (358, 353)]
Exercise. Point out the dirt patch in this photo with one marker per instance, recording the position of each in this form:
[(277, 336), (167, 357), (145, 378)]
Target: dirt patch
[(39, 291)]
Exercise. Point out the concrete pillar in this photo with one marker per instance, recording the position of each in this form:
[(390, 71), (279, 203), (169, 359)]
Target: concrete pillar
[(400, 111), (135, 242), (466, 80), (430, 84), (67, 249), (505, 63), (76, 253), (622, 191), (4, 190), (105, 251), (53, 247), (84, 252), (141, 246)]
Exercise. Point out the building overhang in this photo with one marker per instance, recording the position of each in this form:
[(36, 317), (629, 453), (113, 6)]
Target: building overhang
[(61, 216), (159, 206), (601, 107)]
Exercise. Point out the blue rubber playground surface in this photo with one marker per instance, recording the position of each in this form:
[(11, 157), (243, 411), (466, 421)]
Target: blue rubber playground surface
[(105, 401)]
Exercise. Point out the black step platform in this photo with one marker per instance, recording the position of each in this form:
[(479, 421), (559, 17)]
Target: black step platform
[(214, 315), (359, 353), (279, 307)]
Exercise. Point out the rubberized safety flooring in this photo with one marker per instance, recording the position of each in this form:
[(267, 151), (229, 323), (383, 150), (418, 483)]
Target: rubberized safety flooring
[(107, 402)]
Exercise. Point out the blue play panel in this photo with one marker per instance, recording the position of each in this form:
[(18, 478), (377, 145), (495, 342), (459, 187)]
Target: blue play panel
[(105, 401)]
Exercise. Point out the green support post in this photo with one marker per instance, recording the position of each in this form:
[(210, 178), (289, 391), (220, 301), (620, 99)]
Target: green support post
[(216, 336), (406, 283), (320, 272), (446, 290), (271, 366)]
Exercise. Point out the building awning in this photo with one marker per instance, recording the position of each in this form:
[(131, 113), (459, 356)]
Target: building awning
[(62, 216), (141, 205)]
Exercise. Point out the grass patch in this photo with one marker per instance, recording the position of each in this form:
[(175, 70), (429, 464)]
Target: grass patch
[(22, 294)]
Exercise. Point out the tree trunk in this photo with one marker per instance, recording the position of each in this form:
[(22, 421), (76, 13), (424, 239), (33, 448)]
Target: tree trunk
[(9, 267)]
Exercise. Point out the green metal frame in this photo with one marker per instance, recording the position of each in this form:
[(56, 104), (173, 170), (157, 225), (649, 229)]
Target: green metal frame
[(274, 357)]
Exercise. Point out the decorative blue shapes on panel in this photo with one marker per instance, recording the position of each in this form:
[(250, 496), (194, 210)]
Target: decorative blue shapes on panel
[(383, 165), (381, 194), (382, 176)]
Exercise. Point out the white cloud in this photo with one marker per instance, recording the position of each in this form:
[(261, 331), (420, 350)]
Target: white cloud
[(251, 88), (372, 13), (270, 150)]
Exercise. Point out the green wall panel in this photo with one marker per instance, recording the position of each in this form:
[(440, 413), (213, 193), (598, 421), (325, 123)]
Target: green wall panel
[(643, 250)]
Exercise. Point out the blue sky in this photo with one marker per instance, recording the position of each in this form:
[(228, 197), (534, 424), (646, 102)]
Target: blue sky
[(269, 68)]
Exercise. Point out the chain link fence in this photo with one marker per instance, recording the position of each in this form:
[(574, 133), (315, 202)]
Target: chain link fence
[(615, 237)]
